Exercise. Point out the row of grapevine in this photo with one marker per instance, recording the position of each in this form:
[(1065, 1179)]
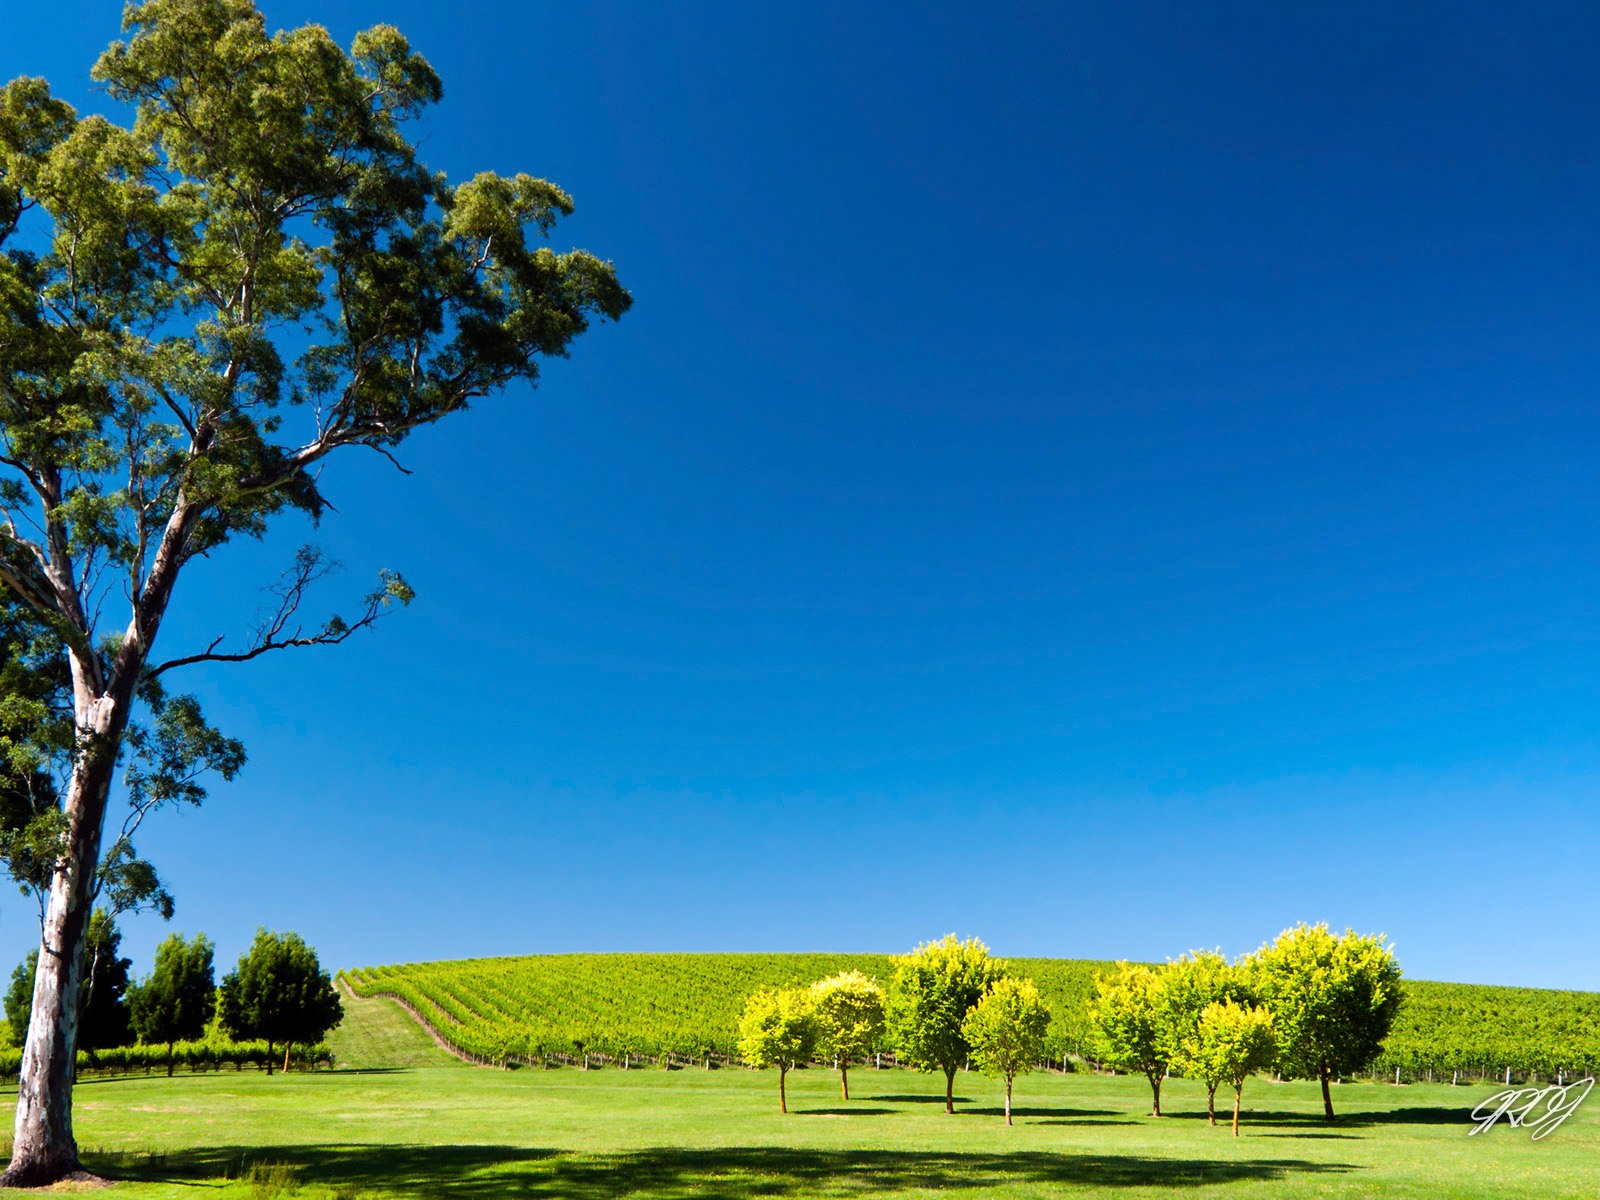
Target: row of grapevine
[(192, 1056), (1473, 1030), (568, 1007)]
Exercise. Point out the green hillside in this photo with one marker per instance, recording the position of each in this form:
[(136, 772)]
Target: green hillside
[(688, 1005), (377, 1034)]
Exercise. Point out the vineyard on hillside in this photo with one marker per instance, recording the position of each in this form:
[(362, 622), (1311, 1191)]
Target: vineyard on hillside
[(628, 1007)]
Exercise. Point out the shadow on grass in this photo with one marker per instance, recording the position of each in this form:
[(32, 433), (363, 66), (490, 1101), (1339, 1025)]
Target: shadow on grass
[(1355, 1120), (921, 1099), (732, 1173)]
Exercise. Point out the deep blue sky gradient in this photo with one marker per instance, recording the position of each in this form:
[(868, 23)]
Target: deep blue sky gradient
[(1111, 479)]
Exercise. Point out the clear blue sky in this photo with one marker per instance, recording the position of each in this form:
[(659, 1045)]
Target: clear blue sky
[(1110, 479)]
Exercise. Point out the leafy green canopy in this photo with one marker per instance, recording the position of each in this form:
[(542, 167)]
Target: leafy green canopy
[(1130, 1012), (1006, 1029), (1191, 983), (1333, 998), (177, 1000), (196, 310), (278, 994), (1231, 1042), (849, 1011), (933, 989), (779, 1028)]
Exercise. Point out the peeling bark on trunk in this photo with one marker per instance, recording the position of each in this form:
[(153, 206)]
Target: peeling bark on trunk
[(1238, 1095), (783, 1095), (287, 1050), (1008, 1101), (44, 1149)]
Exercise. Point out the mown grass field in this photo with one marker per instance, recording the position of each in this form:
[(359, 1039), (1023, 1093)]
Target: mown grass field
[(438, 1128)]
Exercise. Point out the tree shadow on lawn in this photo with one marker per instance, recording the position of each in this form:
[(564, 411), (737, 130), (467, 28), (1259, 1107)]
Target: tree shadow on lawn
[(1353, 1120), (917, 1099), (729, 1173)]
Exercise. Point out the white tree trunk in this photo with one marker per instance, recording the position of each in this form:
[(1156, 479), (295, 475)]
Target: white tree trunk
[(44, 1150)]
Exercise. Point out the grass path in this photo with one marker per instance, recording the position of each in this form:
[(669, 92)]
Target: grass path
[(379, 1034)]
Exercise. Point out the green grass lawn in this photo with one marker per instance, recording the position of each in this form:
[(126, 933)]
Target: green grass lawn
[(438, 1128), (380, 1034)]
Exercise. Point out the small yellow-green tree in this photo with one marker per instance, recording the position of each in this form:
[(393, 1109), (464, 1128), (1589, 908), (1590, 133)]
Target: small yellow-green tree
[(934, 988), (779, 1029), (1232, 1042), (1191, 984), (1333, 998), (849, 1009), (1006, 1031), (1130, 1024)]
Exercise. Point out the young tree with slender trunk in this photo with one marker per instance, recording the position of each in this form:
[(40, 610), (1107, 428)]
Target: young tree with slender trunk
[(1191, 984), (849, 1009), (778, 1029), (1333, 998), (933, 989), (176, 1002), (1231, 1043), (1006, 1031), (1130, 1022), (196, 312)]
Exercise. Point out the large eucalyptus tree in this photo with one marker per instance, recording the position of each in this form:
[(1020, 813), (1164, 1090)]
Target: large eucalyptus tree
[(197, 308)]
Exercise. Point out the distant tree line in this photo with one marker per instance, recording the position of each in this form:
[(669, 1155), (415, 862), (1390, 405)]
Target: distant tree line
[(278, 995)]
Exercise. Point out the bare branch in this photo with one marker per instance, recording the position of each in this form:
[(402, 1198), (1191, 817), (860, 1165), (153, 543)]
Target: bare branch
[(391, 458), (275, 633)]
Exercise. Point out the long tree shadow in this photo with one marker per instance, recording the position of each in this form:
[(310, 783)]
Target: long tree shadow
[(731, 1173), (1352, 1120), (917, 1099)]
